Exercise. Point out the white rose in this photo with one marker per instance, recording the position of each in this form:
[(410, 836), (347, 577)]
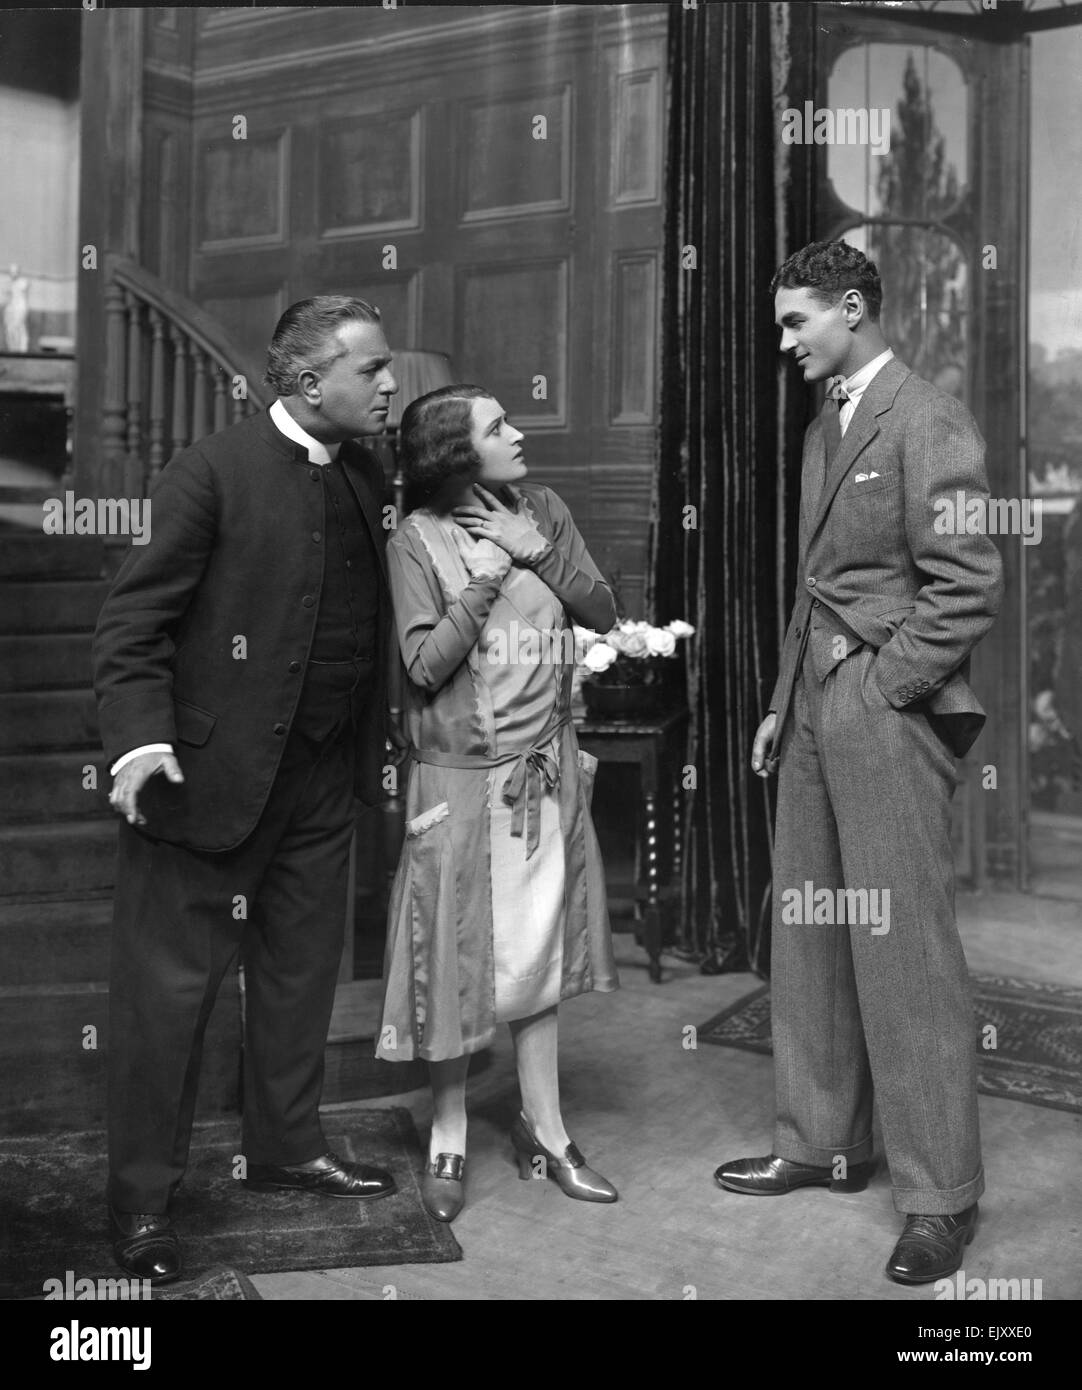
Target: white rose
[(679, 628), (659, 642), (626, 626), (634, 644), (599, 658)]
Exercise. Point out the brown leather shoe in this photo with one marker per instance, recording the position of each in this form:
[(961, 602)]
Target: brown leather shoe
[(774, 1177), (325, 1176), (931, 1247), (145, 1245), (441, 1187)]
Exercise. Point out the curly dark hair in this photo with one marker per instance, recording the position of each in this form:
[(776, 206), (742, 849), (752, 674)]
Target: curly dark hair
[(829, 268), (307, 336), (435, 440)]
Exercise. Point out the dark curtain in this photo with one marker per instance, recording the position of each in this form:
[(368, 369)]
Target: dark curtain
[(726, 447)]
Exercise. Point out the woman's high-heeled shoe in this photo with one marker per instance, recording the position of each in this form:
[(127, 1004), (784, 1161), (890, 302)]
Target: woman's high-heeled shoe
[(570, 1172), (441, 1187)]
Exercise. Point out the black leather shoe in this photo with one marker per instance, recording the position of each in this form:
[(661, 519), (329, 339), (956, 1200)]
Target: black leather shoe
[(931, 1247), (145, 1245), (773, 1177), (326, 1176), (441, 1187)]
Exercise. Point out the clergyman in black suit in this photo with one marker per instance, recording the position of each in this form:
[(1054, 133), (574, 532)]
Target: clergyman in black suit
[(242, 706)]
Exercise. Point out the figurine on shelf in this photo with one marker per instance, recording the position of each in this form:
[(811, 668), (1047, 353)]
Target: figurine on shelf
[(17, 312)]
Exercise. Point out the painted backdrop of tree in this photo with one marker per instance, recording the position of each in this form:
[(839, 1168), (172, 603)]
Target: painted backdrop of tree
[(922, 266)]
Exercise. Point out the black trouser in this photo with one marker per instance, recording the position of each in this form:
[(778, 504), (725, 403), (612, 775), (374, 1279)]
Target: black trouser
[(177, 929)]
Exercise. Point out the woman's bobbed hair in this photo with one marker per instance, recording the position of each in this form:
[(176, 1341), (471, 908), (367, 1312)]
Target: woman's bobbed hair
[(435, 441)]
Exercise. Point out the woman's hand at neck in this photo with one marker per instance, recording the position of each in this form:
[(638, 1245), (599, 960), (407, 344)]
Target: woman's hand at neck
[(486, 517)]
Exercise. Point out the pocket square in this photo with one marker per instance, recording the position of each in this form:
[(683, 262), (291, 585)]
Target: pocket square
[(865, 477)]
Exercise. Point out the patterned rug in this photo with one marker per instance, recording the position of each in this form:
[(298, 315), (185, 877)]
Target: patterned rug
[(216, 1286), (1038, 1053), (52, 1212)]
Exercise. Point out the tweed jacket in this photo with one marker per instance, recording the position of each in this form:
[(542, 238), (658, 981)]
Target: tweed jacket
[(875, 566)]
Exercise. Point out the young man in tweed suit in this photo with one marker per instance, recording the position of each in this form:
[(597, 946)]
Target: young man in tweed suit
[(870, 713)]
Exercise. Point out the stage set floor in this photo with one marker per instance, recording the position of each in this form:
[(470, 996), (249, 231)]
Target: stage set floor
[(656, 1118)]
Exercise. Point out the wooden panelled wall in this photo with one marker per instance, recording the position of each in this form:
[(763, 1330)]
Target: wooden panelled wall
[(394, 154)]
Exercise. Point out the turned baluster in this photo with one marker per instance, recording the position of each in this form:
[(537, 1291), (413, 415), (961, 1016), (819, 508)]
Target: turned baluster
[(156, 412), (180, 388), (113, 406), (135, 378), (219, 399), (199, 395)]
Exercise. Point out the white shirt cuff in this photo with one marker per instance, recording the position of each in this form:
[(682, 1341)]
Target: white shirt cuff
[(135, 752)]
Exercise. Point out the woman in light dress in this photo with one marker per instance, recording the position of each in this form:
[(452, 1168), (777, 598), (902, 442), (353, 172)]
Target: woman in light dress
[(498, 908)]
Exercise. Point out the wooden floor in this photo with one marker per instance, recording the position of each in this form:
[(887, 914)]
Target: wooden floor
[(656, 1119)]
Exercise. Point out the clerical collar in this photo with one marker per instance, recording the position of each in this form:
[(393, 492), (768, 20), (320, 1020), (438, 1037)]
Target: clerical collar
[(285, 424)]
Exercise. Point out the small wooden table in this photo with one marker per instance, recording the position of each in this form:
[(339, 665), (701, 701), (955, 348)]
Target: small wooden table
[(655, 744)]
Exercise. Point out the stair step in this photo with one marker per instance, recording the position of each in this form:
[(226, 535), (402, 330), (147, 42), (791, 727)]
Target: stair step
[(67, 605), (51, 557), (72, 857), (58, 660), (55, 943), (48, 719), (58, 1073), (51, 1080), (48, 786)]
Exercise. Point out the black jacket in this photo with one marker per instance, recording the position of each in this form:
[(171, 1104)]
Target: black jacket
[(204, 638)]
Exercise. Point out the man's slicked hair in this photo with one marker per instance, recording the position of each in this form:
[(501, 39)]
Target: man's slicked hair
[(828, 269), (305, 337), (436, 440)]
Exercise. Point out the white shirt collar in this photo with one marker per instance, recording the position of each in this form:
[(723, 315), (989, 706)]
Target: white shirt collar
[(285, 424), (859, 382)]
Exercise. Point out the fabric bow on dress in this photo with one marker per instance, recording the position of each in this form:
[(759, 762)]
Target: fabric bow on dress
[(523, 789)]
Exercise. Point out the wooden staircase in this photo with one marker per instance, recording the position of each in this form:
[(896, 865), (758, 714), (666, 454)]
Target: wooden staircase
[(169, 369), (170, 374), (58, 849), (170, 378)]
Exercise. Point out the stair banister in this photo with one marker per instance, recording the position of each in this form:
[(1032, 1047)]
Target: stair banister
[(169, 377)]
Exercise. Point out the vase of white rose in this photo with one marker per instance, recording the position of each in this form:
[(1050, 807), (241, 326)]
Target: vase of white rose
[(631, 671)]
